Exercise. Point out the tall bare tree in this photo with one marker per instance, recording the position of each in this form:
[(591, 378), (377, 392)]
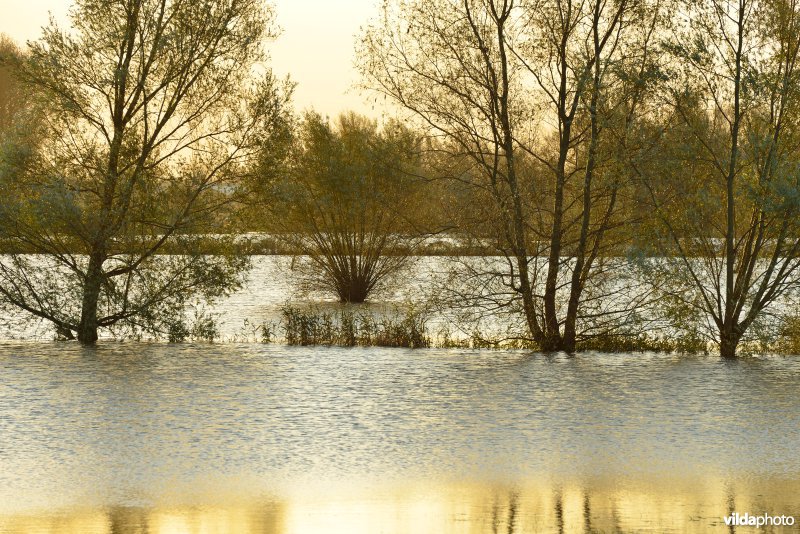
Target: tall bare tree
[(734, 136), (532, 100), (150, 110)]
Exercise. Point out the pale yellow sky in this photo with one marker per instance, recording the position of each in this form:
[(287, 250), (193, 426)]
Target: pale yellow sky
[(316, 47)]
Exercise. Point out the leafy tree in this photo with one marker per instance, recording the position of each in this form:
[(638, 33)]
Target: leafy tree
[(150, 111), (726, 188), (345, 203), (534, 102)]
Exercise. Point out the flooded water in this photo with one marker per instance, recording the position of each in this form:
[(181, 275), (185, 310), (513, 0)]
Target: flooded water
[(268, 287), (158, 438)]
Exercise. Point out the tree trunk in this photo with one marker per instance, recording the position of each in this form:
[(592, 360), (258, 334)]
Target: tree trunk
[(730, 334), (554, 342), (554, 258), (729, 341), (577, 280), (87, 329), (568, 340)]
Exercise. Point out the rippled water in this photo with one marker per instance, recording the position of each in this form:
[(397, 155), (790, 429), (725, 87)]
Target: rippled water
[(263, 438)]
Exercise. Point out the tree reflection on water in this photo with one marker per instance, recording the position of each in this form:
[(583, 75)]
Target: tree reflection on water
[(600, 506)]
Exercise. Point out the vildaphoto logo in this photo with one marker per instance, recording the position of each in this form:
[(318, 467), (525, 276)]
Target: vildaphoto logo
[(748, 520)]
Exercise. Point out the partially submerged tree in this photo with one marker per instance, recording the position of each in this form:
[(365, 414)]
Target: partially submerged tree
[(345, 202), (532, 101), (728, 198), (150, 110)]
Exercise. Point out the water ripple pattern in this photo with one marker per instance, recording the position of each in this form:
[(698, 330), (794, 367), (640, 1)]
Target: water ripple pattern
[(125, 424)]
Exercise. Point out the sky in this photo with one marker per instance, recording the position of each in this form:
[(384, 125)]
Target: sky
[(316, 47)]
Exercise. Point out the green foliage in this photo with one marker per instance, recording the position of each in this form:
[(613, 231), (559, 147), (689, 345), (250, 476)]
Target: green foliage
[(789, 340), (673, 343), (345, 203), (201, 327), (262, 332)]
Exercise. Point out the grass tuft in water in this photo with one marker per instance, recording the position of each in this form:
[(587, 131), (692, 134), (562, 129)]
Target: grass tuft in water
[(348, 328)]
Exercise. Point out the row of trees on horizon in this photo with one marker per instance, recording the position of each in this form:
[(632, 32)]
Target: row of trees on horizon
[(581, 139)]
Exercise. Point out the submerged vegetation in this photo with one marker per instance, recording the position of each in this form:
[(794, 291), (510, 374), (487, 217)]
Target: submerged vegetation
[(349, 328), (410, 326)]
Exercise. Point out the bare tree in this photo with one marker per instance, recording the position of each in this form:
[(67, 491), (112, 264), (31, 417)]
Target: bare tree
[(150, 111), (733, 136), (532, 102)]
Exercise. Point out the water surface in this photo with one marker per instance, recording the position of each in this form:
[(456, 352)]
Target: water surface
[(132, 437)]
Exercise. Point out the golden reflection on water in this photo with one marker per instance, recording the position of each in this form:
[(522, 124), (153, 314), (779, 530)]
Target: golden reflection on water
[(658, 506)]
